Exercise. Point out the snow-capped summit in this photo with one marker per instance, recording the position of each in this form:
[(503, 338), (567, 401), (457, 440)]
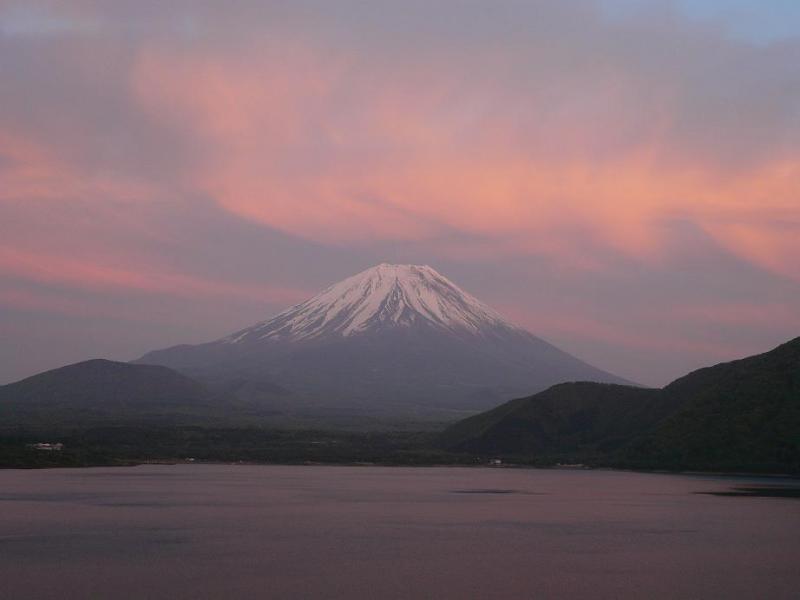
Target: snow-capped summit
[(394, 340), (382, 296)]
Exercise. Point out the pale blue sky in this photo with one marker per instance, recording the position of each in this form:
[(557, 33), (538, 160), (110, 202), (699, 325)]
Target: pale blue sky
[(759, 21)]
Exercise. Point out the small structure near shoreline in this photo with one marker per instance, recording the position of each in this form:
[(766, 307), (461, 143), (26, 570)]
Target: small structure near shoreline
[(46, 446)]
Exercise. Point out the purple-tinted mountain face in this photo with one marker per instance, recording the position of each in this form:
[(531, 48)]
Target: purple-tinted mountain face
[(394, 339)]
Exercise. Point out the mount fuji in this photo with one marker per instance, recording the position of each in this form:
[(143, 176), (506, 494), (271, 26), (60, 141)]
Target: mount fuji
[(399, 340)]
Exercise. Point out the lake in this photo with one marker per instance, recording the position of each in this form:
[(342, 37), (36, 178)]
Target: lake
[(231, 531)]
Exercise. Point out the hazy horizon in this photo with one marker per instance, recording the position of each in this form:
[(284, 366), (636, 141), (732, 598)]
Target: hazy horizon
[(617, 176)]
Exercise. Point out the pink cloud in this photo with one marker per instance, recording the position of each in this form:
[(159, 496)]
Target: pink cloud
[(324, 147), (49, 268)]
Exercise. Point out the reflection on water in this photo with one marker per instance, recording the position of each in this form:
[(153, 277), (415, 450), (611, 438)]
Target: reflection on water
[(486, 491), (765, 491), (216, 531)]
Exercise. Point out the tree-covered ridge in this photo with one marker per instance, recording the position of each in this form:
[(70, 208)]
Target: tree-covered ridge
[(743, 414)]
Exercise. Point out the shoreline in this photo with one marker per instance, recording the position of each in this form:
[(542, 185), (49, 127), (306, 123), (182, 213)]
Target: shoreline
[(178, 462)]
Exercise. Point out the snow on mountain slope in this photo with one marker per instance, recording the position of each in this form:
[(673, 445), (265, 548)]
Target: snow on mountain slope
[(382, 296)]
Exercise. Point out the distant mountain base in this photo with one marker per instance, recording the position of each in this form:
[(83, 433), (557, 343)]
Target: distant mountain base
[(103, 393)]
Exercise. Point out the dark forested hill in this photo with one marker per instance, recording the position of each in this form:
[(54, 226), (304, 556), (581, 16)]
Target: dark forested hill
[(566, 418), (743, 414), (740, 414), (102, 390)]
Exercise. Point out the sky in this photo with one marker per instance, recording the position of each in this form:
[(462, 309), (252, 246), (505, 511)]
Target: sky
[(621, 177)]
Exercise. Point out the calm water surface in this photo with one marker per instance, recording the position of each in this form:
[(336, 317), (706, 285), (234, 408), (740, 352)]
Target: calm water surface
[(216, 531)]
